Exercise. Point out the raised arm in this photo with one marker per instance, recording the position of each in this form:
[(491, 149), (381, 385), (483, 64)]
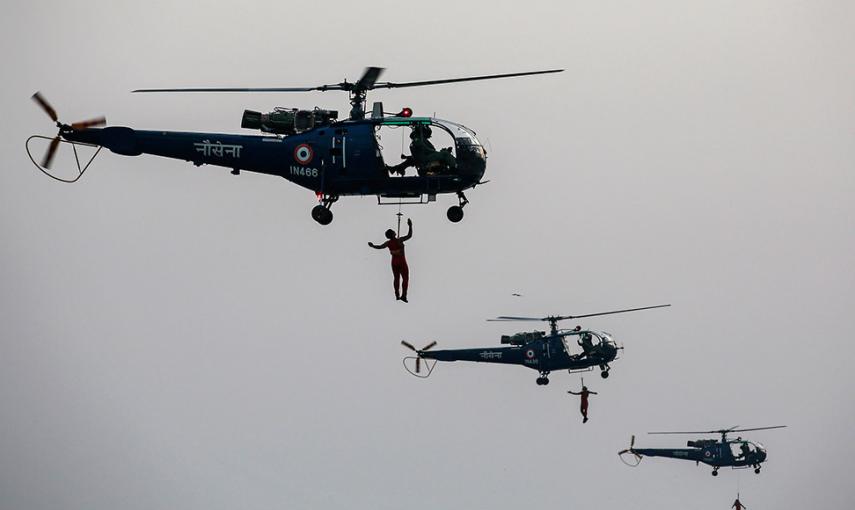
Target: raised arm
[(592, 392), (409, 231), (378, 246), (574, 393)]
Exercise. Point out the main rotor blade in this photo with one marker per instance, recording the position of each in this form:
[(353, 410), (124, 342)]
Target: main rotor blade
[(693, 432), (609, 313), (98, 121), (506, 318), (429, 346), (245, 89), (51, 151), (392, 85), (759, 428), (41, 101), (369, 78), (408, 345)]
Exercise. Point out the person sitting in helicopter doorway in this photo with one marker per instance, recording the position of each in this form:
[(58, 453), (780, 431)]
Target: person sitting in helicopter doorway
[(586, 341), (744, 450), (400, 270), (425, 157), (583, 404)]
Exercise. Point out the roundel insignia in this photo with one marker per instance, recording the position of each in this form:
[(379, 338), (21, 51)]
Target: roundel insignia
[(529, 353), (707, 453), (303, 154)]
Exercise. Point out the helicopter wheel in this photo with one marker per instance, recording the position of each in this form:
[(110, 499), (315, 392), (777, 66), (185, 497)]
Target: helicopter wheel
[(604, 374), (542, 381), (455, 213), (757, 470), (322, 215), (715, 472)]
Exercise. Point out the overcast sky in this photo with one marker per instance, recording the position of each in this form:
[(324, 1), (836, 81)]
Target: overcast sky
[(174, 337)]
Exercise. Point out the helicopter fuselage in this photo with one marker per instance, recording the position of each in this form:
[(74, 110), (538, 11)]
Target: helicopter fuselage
[(338, 159), (713, 453), (544, 354)]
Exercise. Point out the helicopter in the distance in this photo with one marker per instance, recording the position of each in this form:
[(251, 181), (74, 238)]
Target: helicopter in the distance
[(311, 148), (735, 453), (536, 349)]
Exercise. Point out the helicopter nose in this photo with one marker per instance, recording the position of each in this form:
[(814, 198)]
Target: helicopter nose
[(761, 454)]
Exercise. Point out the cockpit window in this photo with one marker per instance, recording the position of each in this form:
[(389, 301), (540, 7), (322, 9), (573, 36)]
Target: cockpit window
[(428, 143), (582, 342), (462, 135)]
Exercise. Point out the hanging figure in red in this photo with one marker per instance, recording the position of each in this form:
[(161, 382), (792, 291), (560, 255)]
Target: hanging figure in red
[(737, 504), (399, 261), (583, 405)]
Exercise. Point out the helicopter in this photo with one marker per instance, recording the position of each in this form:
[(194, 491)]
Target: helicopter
[(735, 453), (310, 148), (536, 349)]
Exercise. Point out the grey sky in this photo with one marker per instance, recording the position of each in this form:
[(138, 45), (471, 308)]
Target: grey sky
[(176, 337)]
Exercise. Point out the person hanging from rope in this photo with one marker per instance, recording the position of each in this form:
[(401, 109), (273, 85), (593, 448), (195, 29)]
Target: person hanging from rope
[(400, 270), (583, 404), (737, 504)]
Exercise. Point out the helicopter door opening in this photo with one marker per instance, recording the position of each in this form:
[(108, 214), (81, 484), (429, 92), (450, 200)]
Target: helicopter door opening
[(416, 148), (741, 449)]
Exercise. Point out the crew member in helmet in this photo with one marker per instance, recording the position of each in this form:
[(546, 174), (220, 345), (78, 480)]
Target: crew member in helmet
[(400, 270), (425, 156), (583, 404), (586, 341)]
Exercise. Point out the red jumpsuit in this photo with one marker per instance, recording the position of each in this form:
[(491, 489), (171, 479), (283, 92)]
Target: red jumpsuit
[(400, 270), (583, 404)]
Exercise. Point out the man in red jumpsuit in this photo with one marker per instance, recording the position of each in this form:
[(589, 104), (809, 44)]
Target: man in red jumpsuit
[(400, 271), (583, 406)]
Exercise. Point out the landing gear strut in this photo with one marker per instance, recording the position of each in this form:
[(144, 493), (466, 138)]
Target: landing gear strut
[(543, 380), (455, 212), (321, 212), (605, 371), (757, 470)]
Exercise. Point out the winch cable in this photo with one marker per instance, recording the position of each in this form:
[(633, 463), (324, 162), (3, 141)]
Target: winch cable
[(399, 217)]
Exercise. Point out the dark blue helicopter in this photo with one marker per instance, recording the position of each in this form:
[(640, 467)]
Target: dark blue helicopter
[(536, 350), (312, 148), (736, 453)]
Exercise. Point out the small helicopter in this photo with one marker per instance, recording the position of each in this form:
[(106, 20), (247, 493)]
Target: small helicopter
[(536, 349), (311, 148), (735, 453)]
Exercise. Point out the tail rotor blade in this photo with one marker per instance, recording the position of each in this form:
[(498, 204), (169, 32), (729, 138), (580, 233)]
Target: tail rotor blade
[(429, 346), (98, 121), (41, 101), (51, 151), (408, 345), (418, 365)]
